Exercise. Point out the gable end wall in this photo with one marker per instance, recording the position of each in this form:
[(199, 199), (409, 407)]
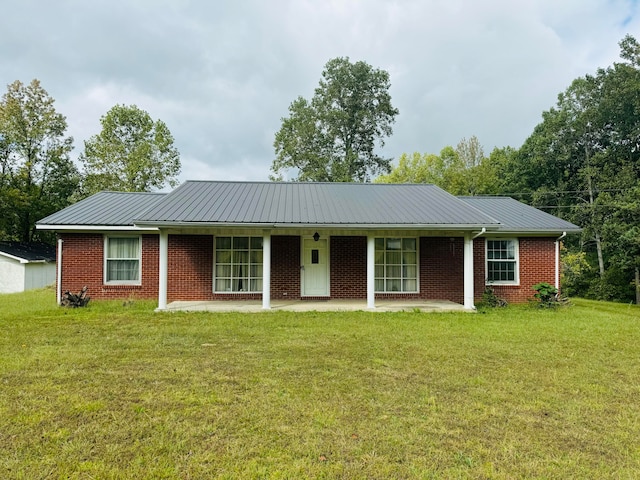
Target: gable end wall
[(537, 264), (83, 264)]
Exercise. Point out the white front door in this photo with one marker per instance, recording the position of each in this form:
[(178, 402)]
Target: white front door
[(315, 267)]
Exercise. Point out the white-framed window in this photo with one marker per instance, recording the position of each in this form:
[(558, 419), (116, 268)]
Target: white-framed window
[(502, 262), (396, 265), (122, 260), (238, 264)]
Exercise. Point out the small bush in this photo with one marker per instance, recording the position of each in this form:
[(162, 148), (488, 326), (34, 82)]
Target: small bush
[(490, 299), (546, 294)]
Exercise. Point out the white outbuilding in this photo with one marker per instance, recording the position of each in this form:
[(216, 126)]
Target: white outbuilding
[(26, 266)]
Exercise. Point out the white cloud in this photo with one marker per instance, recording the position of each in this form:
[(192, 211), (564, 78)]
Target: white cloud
[(222, 74)]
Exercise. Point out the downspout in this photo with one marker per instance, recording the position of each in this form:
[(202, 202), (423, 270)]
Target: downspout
[(557, 285), (59, 272), (482, 232)]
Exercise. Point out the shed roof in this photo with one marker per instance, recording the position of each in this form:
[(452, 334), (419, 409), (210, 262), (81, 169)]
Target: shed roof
[(28, 252), (297, 204), (516, 217)]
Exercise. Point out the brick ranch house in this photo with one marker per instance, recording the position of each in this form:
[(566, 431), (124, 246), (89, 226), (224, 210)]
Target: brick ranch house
[(213, 241)]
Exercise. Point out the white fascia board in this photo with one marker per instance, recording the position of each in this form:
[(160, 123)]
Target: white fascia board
[(337, 226), (19, 259), (534, 233), (94, 228)]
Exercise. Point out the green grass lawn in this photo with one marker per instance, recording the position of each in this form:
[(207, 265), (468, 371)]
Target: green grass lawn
[(118, 391)]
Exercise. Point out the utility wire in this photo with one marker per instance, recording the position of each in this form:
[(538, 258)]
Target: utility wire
[(555, 192)]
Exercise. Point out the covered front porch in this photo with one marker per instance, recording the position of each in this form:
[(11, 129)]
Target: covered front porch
[(254, 306), (324, 269)]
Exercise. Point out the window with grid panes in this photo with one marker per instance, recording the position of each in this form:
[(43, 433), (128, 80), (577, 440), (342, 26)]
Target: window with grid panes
[(502, 261), (122, 260), (238, 264), (396, 265)]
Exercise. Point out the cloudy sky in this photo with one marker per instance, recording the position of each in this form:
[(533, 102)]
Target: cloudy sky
[(221, 74)]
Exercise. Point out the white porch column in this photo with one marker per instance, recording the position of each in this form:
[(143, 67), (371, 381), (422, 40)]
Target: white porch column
[(266, 271), (371, 271), (468, 271), (59, 272), (163, 270)]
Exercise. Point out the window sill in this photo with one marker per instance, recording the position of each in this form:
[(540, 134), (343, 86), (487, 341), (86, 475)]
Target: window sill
[(226, 292), (413, 292)]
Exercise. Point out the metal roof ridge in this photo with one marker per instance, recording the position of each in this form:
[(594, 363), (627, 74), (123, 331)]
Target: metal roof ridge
[(130, 193), (498, 222), (267, 182)]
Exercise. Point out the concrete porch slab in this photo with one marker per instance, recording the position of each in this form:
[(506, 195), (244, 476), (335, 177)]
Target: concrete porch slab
[(253, 306)]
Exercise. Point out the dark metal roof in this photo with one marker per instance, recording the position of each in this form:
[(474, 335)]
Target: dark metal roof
[(31, 252), (104, 208), (515, 216), (207, 203), (287, 203)]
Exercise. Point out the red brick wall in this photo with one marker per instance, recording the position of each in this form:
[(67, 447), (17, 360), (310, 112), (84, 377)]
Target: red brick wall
[(83, 264), (348, 267), (479, 274), (537, 264), (191, 268), (442, 268), (285, 267)]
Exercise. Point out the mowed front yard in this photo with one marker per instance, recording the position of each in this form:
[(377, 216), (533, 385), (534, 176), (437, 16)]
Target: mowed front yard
[(118, 391)]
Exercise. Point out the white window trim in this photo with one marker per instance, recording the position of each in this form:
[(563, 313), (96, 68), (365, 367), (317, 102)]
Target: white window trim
[(104, 266), (417, 239), (230, 292), (515, 282)]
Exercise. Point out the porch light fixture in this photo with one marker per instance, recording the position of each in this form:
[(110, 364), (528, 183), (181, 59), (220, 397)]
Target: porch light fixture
[(316, 237)]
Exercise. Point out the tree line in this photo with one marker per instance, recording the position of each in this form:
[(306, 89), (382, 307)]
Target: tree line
[(581, 162), (38, 177)]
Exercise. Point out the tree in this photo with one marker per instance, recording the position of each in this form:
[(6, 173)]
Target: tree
[(332, 138), (416, 168), (584, 160), (37, 177), (132, 153), (463, 170), (621, 234)]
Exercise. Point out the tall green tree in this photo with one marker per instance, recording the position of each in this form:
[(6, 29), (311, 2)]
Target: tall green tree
[(132, 153), (37, 177), (333, 137), (463, 170), (584, 159), (416, 168)]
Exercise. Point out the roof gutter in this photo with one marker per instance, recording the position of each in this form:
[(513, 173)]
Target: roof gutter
[(351, 226), (85, 228)]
